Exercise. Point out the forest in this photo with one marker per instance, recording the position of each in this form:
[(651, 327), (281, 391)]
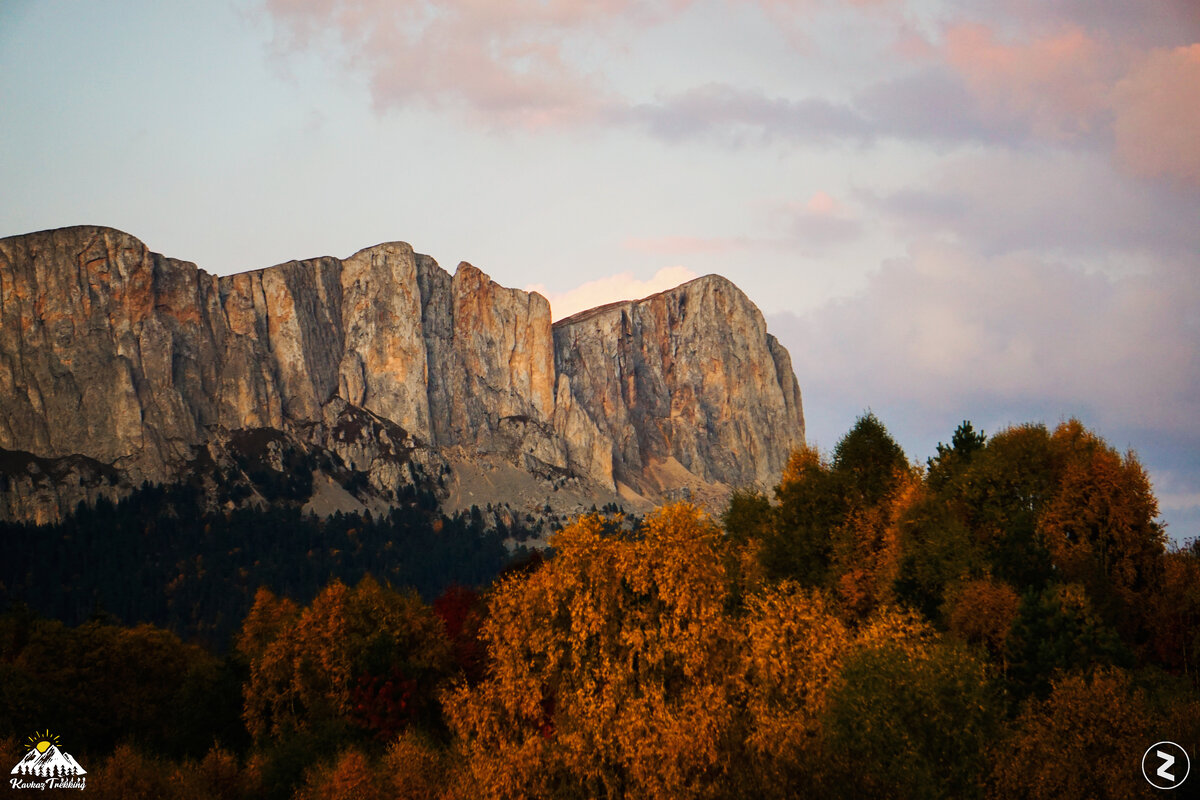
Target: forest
[(1006, 620)]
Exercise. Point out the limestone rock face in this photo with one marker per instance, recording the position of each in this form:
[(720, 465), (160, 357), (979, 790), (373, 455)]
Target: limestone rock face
[(118, 365), (685, 378)]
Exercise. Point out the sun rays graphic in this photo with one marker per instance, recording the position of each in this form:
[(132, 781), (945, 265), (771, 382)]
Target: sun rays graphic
[(42, 741)]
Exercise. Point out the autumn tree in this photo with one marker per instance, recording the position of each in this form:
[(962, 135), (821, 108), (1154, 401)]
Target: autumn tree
[(1100, 527), (867, 549), (1085, 740), (799, 545), (461, 611), (612, 668), (305, 667), (982, 612), (1174, 614), (910, 717), (794, 647)]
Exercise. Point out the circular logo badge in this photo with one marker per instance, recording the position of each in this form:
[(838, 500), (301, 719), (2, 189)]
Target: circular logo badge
[(1166, 765)]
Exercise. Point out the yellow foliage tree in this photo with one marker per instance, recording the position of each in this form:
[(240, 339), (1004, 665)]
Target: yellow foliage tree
[(613, 667), (351, 777), (792, 656)]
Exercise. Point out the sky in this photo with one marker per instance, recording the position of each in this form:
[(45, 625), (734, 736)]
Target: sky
[(984, 209)]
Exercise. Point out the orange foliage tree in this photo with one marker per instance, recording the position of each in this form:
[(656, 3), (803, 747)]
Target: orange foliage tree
[(867, 548), (305, 665), (794, 647), (1099, 526), (982, 612), (1085, 740), (612, 668)]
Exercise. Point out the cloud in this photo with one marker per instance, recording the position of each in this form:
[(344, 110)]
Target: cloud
[(503, 61), (820, 220), (1016, 73), (735, 115), (1056, 84), (1142, 25), (623, 286), (945, 329), (1071, 202), (1158, 116)]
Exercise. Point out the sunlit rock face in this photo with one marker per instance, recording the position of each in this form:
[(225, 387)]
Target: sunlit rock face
[(118, 365), (688, 377)]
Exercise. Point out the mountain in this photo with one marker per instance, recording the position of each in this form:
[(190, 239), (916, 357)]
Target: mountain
[(53, 762), (337, 382)]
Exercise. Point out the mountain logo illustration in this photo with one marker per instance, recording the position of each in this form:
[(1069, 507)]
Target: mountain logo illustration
[(46, 760)]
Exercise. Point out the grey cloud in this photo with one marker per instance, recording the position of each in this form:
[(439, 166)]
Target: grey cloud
[(945, 323), (731, 113), (1161, 23), (931, 105), (1077, 202)]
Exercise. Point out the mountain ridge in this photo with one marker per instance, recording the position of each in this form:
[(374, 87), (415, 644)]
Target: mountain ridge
[(382, 363)]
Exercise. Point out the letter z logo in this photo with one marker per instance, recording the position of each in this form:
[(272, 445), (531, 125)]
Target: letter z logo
[(1165, 765), (1165, 770)]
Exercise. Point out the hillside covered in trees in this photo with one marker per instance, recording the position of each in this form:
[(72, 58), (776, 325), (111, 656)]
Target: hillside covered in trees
[(1006, 620)]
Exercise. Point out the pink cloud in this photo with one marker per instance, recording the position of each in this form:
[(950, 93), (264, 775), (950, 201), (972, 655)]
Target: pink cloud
[(1057, 84), (502, 61), (623, 286), (1157, 123), (823, 205), (819, 221)]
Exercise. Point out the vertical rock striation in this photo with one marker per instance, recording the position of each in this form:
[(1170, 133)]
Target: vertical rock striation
[(126, 363), (688, 378)]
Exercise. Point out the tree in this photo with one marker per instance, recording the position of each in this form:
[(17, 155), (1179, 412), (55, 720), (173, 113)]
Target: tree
[(748, 516), (1085, 740), (937, 552), (1003, 492), (1099, 526), (910, 717), (794, 648), (982, 612), (799, 545), (304, 669), (1174, 613), (1058, 631), (868, 461), (867, 548), (951, 460), (613, 667)]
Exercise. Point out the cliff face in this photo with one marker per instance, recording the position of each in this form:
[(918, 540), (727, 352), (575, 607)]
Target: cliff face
[(136, 363), (688, 378)]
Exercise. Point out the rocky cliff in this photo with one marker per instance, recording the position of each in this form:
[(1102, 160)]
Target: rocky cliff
[(118, 365)]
